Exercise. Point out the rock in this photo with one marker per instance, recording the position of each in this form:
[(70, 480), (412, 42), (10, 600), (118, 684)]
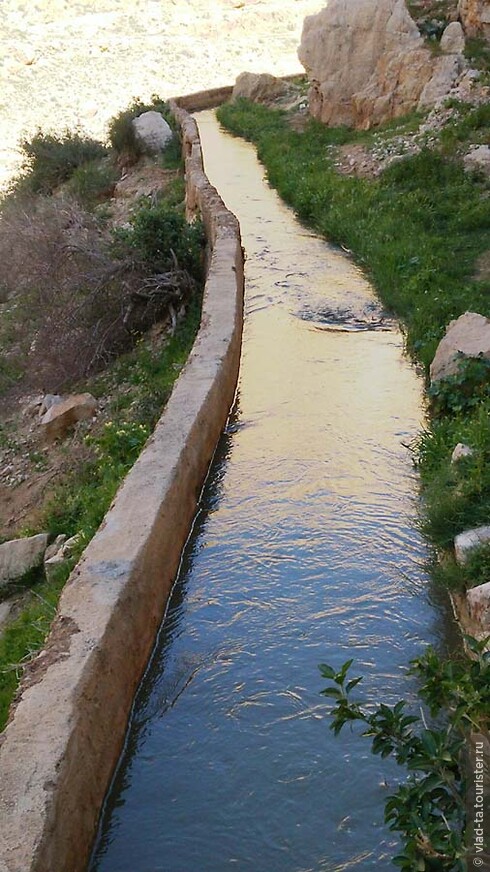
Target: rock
[(452, 40), (20, 555), (61, 417), (468, 335), (55, 547), (478, 159), (51, 565), (49, 400), (461, 450), (395, 87), (259, 87), (70, 545), (368, 63), (468, 541), (446, 70), (475, 17), (478, 603), (152, 132), (33, 406)]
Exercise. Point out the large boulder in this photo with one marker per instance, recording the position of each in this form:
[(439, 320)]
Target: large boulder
[(468, 335), (475, 17), (21, 555), (452, 40), (62, 416), (152, 132), (259, 87), (367, 63)]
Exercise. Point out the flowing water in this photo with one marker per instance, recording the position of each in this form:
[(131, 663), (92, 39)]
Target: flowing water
[(304, 550)]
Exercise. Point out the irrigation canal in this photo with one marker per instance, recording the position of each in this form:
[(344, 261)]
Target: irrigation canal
[(304, 551)]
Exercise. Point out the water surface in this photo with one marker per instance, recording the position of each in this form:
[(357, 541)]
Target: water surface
[(304, 550)]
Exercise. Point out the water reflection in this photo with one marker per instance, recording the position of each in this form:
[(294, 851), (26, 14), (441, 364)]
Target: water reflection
[(304, 550)]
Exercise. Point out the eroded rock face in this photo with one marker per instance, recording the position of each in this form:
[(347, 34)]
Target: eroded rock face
[(368, 63), (468, 335), (152, 132), (475, 17), (259, 87)]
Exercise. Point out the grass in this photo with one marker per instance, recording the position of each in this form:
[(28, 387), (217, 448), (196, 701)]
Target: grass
[(417, 231)]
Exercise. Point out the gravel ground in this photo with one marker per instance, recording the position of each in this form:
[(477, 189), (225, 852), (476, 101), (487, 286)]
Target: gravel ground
[(71, 64)]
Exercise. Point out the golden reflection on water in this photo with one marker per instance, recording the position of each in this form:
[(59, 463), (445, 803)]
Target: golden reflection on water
[(343, 400)]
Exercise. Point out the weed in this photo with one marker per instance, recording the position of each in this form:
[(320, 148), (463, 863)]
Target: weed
[(464, 390)]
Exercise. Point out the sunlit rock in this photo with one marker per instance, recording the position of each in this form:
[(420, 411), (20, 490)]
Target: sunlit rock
[(468, 336), (468, 541)]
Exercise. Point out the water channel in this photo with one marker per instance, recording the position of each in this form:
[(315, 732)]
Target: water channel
[(304, 551)]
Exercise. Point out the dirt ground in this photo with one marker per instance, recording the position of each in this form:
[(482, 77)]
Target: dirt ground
[(68, 64)]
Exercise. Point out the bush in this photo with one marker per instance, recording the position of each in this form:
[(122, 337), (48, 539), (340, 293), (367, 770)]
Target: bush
[(93, 182), (162, 239), (50, 159)]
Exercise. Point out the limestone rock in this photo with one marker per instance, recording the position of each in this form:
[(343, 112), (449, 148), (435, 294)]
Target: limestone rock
[(259, 87), (460, 451), (20, 555), (452, 40), (55, 547), (478, 603), (52, 564), (394, 88), (478, 159), (152, 132), (468, 335), (468, 541), (475, 17), (61, 417), (367, 63), (49, 400), (446, 70)]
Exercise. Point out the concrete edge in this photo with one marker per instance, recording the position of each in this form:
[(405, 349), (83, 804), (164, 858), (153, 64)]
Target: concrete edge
[(66, 731)]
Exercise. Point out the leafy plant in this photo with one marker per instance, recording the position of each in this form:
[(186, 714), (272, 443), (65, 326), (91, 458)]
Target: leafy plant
[(464, 390), (428, 809)]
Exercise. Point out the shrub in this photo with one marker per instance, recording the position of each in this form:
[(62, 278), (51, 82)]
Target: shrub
[(162, 239), (50, 159), (92, 182)]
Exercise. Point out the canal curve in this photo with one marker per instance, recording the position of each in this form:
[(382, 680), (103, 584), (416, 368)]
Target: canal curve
[(304, 550)]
